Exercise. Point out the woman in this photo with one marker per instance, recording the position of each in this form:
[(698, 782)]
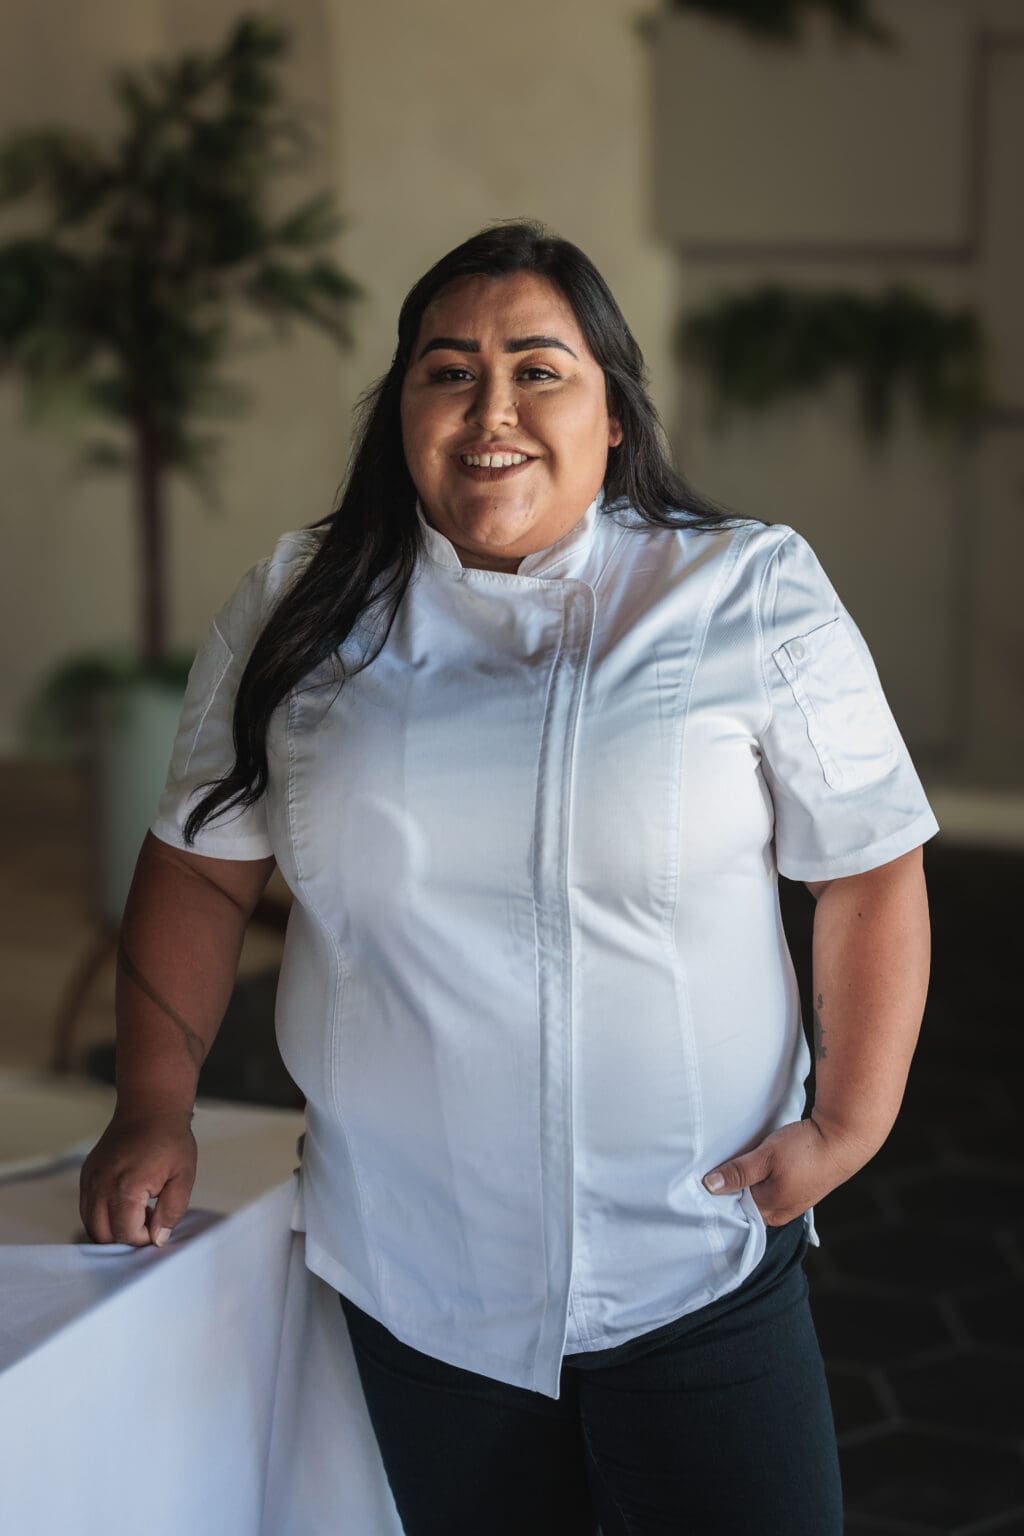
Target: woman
[(530, 742)]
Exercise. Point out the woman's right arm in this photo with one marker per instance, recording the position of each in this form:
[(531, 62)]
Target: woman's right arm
[(180, 941)]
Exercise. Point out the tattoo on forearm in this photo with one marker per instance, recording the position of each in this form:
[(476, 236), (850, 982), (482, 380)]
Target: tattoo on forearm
[(819, 1034), (193, 1042)]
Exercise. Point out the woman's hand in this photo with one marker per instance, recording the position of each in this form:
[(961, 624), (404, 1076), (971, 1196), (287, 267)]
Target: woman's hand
[(138, 1156), (791, 1169)]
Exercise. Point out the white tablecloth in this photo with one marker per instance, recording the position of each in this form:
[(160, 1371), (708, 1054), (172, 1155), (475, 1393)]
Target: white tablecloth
[(206, 1387)]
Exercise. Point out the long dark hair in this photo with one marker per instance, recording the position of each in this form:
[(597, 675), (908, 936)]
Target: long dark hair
[(369, 548)]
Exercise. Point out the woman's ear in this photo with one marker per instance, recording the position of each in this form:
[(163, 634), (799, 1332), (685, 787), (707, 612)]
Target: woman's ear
[(614, 432)]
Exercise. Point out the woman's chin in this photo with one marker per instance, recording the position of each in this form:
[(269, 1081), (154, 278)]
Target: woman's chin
[(493, 527)]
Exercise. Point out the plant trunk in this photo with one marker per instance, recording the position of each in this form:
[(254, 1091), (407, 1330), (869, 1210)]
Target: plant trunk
[(150, 523)]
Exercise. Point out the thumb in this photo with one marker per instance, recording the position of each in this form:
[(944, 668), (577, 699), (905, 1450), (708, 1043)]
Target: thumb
[(738, 1172), (171, 1205)]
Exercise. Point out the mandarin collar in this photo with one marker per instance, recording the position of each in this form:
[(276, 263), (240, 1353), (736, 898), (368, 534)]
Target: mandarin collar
[(556, 560)]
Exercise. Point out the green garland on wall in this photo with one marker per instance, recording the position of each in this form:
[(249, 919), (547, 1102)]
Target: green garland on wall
[(780, 21), (774, 341)]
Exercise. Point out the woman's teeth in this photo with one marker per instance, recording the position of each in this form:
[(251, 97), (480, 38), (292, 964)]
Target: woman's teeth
[(493, 460)]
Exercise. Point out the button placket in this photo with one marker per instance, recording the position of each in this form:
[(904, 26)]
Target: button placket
[(555, 959)]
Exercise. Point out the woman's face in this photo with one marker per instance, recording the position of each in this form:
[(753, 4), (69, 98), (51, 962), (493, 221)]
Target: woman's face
[(500, 366)]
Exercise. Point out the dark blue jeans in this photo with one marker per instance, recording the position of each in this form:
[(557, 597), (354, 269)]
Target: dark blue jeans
[(724, 1429)]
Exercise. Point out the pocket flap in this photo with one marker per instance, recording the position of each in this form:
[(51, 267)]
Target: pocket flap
[(848, 720)]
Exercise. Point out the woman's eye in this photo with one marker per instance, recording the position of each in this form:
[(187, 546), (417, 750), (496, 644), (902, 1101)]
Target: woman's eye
[(455, 374)]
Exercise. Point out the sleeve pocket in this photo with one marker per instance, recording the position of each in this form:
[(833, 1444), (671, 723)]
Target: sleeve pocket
[(848, 720), (205, 677)]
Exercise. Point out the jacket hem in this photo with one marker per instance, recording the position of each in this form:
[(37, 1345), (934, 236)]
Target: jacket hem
[(499, 1367), (214, 845), (861, 860)]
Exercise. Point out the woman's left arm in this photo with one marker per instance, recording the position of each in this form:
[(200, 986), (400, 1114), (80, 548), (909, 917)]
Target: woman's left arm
[(871, 957)]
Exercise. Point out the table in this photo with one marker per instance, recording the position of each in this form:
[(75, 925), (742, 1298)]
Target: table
[(208, 1386)]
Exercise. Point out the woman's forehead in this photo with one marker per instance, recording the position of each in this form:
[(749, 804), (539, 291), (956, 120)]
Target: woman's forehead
[(518, 304)]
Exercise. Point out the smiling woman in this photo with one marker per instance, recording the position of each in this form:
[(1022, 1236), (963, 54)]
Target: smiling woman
[(549, 730)]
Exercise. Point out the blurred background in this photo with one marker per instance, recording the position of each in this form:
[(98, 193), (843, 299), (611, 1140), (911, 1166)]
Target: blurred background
[(811, 216)]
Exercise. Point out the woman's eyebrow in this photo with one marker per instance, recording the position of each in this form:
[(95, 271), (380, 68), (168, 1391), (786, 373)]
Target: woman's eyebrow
[(514, 344)]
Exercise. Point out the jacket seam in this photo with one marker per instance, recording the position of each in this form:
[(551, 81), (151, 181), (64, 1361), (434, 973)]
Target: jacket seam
[(567, 800), (686, 1030), (541, 1159), (341, 976), (759, 625), (213, 694)]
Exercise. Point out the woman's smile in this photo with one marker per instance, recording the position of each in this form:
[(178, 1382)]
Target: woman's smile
[(491, 468)]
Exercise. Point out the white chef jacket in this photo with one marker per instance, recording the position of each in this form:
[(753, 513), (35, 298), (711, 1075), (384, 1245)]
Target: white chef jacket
[(535, 981)]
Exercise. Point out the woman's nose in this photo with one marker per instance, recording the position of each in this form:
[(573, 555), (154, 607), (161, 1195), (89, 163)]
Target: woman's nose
[(493, 404)]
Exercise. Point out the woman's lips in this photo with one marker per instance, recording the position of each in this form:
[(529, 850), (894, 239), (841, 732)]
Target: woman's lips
[(477, 472)]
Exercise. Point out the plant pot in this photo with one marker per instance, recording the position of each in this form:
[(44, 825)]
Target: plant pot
[(134, 730)]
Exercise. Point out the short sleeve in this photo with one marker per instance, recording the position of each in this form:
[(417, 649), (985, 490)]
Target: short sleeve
[(846, 795), (204, 746)]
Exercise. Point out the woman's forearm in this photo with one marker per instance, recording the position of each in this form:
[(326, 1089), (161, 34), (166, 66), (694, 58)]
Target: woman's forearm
[(180, 942), (871, 958), (871, 953)]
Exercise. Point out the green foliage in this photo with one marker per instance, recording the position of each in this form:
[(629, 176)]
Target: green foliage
[(760, 346), (121, 306), (780, 21), (58, 720)]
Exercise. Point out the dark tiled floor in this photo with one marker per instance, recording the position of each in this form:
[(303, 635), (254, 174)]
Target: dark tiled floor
[(918, 1287)]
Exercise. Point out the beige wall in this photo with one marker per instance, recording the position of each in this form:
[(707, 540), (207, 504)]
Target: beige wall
[(911, 176), (433, 120), (453, 114)]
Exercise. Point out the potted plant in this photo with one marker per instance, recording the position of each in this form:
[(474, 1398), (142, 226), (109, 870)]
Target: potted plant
[(774, 341), (120, 310)]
